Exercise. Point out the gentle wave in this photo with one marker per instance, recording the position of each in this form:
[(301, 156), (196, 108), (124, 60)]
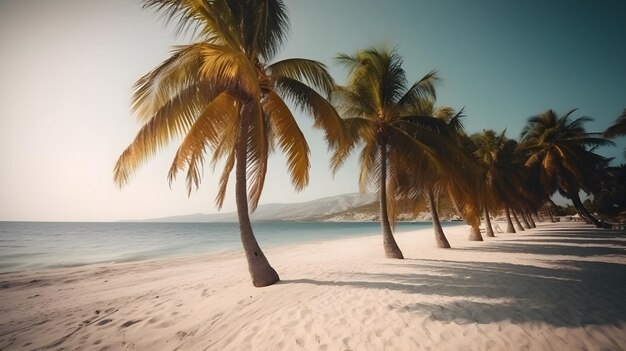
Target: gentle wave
[(33, 245)]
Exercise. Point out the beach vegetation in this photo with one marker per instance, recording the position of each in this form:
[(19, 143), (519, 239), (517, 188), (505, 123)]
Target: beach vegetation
[(562, 157), (374, 105), (225, 96)]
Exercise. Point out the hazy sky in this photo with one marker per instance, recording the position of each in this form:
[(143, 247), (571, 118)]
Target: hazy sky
[(68, 67)]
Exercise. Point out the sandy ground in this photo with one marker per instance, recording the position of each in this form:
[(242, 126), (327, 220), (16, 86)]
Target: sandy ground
[(556, 287)]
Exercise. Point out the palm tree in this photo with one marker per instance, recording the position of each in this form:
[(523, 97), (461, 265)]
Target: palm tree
[(561, 151), (223, 95), (487, 145), (507, 179), (503, 174), (517, 222), (433, 179), (374, 105)]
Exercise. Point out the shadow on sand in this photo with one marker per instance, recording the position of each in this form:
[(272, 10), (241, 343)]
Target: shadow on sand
[(579, 291)]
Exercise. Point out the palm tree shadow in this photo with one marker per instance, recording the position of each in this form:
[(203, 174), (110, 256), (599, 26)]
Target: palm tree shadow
[(576, 292), (556, 250)]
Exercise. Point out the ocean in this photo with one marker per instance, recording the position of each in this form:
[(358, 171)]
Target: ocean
[(35, 245)]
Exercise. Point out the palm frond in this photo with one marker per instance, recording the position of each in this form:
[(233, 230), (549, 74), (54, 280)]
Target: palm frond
[(455, 124), (204, 133), (444, 113), (257, 153), (618, 128), (314, 73), (357, 129), (175, 75), (290, 139), (212, 21), (422, 89), (264, 26), (350, 104), (369, 164), (223, 183), (173, 119), (186, 15), (229, 69), (313, 104)]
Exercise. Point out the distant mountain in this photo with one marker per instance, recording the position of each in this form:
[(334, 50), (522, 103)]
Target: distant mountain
[(321, 209), (347, 207)]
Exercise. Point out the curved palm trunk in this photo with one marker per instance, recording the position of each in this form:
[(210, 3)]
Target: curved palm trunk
[(440, 237), (525, 220), (517, 223), (475, 234), (261, 271), (509, 223), (549, 210), (488, 228), (538, 216), (389, 243), (582, 211), (531, 220)]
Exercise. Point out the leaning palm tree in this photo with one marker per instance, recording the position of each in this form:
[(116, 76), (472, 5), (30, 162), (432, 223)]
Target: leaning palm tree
[(488, 144), (223, 96), (374, 106), (467, 196), (561, 152), (432, 179), (503, 175), (508, 179)]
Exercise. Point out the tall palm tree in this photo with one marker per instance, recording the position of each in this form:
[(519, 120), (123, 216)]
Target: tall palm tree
[(503, 174), (487, 145), (429, 178), (561, 151), (468, 197), (223, 95), (374, 105)]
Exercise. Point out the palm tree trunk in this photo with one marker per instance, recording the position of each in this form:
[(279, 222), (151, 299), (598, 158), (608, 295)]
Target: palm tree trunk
[(531, 220), (582, 211), (525, 220), (475, 233), (549, 210), (440, 237), (488, 228), (389, 243), (517, 223), (259, 267), (509, 223)]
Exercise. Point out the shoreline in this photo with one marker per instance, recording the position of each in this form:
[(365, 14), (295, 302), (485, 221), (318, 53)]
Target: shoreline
[(554, 287), (155, 251)]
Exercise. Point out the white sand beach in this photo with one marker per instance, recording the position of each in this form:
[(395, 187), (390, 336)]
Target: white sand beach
[(557, 287)]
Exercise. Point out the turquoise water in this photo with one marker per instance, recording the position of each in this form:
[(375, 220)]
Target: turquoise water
[(30, 245)]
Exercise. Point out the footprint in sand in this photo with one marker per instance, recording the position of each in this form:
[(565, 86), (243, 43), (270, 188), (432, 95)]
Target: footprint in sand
[(105, 321), (129, 323), (165, 324)]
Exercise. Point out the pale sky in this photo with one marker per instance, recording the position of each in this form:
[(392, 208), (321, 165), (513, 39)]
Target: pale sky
[(68, 67)]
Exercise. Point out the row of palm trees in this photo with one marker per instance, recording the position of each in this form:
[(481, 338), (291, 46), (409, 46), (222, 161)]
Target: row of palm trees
[(225, 96)]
